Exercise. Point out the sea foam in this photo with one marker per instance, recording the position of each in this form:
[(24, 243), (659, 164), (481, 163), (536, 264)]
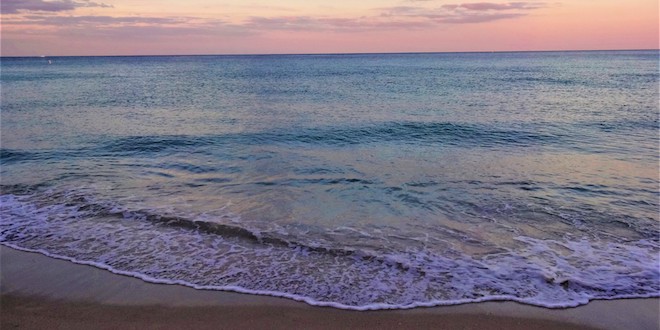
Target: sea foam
[(128, 244)]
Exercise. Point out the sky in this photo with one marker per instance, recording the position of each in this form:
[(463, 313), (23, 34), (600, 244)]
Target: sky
[(169, 27)]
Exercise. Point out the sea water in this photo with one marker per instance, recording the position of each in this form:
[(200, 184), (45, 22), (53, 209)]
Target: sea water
[(364, 181)]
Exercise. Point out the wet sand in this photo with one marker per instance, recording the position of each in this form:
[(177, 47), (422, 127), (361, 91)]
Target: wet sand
[(39, 292)]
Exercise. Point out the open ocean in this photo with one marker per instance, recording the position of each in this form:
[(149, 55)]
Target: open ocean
[(368, 181)]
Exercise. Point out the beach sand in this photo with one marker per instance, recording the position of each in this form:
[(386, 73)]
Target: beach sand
[(39, 292)]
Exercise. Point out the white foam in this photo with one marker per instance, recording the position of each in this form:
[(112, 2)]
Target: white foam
[(534, 274), (313, 302)]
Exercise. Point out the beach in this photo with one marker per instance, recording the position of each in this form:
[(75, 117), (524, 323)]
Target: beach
[(41, 292), (346, 190), (392, 164)]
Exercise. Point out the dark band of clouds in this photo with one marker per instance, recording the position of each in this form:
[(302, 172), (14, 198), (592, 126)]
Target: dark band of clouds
[(17, 6), (97, 20)]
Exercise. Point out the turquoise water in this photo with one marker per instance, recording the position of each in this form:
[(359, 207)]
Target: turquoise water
[(355, 181)]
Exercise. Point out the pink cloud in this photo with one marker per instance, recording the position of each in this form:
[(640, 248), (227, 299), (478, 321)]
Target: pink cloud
[(485, 6), (329, 23), (474, 18), (142, 30), (465, 13)]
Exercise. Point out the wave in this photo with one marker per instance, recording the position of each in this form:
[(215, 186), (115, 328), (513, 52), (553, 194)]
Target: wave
[(432, 133), (417, 133), (314, 302), (78, 203), (195, 252), (414, 132)]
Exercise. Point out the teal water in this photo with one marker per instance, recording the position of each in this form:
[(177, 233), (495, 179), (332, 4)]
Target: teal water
[(355, 181)]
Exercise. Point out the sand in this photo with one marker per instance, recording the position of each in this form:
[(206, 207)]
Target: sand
[(38, 292)]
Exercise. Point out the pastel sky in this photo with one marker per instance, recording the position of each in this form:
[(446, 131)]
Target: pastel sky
[(146, 27)]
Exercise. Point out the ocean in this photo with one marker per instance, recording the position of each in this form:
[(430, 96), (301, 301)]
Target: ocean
[(358, 181)]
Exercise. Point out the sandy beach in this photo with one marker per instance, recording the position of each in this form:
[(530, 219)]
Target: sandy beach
[(41, 292)]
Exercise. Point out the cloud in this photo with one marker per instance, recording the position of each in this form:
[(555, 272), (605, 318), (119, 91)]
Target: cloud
[(475, 18), (250, 25), (40, 14), (47, 20), (328, 23), (132, 27), (17, 6), (480, 12), (401, 10), (487, 6), (464, 13)]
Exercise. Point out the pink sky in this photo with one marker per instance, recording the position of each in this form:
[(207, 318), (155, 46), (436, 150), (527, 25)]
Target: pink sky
[(146, 27)]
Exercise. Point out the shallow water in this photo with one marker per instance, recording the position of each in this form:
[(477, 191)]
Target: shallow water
[(355, 181)]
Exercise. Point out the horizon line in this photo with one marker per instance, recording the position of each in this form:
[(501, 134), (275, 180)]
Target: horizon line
[(348, 53)]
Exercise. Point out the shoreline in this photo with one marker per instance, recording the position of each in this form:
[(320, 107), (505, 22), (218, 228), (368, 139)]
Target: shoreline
[(36, 288)]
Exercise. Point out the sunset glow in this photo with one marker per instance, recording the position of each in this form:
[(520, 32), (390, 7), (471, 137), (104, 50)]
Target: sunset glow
[(123, 27)]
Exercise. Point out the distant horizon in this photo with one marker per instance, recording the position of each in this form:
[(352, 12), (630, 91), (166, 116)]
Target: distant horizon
[(357, 53), (233, 27)]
